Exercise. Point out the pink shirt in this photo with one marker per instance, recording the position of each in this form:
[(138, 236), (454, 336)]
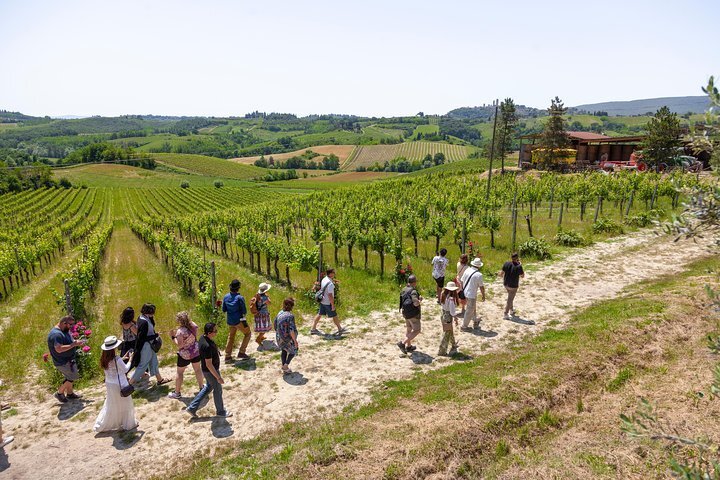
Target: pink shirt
[(188, 347)]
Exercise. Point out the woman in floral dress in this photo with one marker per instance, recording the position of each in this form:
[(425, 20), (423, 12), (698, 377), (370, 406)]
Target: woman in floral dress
[(286, 334)]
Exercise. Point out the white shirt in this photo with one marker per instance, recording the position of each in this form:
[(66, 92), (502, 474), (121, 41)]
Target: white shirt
[(116, 372), (439, 265), (472, 279), (328, 287)]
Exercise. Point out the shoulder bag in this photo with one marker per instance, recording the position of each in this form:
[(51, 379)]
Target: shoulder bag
[(127, 390)]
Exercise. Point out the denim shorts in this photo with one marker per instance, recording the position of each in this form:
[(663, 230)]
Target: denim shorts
[(327, 310)]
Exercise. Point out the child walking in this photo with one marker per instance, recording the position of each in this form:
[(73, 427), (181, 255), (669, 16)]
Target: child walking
[(449, 301)]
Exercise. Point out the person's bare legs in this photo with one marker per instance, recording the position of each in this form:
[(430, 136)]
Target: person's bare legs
[(316, 320), (336, 321), (179, 378)]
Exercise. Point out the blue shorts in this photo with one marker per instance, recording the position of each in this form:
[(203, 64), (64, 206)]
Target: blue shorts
[(327, 310)]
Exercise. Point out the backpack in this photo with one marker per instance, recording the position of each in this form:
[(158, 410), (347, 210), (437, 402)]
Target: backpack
[(253, 305), (409, 310), (321, 293)]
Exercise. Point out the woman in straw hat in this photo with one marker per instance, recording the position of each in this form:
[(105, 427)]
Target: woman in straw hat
[(449, 301), (118, 412), (259, 306)]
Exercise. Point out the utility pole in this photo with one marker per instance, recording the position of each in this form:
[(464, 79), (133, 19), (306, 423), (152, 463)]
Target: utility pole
[(492, 151)]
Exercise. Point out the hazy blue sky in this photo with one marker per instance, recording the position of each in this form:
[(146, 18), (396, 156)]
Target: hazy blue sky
[(225, 57)]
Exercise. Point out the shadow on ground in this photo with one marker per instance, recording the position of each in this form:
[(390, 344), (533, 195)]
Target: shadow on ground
[(72, 408), (295, 378), (123, 439)]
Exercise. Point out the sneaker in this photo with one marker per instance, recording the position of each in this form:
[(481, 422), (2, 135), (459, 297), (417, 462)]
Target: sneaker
[(315, 331), (402, 348), (174, 395), (411, 348), (507, 316), (476, 325), (466, 329), (8, 440), (443, 354), (60, 397), (242, 356), (191, 413), (229, 359), (225, 415), (342, 330), (73, 396)]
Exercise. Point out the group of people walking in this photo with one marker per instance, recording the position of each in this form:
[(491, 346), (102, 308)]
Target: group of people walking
[(133, 357), (128, 360), (460, 293)]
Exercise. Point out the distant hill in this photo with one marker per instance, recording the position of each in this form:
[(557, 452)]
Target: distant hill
[(695, 104), (487, 111)]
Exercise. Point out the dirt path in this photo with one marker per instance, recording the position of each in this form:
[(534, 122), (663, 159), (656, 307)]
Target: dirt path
[(333, 374)]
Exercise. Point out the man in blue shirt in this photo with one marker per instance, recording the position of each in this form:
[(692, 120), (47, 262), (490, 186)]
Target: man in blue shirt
[(234, 306), (62, 348)]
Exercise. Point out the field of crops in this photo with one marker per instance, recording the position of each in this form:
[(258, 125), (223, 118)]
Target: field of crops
[(342, 152), (209, 166), (37, 226), (116, 175), (368, 155)]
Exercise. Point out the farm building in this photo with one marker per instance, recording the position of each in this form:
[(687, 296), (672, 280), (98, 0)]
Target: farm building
[(590, 147)]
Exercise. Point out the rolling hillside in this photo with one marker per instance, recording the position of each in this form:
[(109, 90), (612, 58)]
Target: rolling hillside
[(209, 166), (367, 155), (342, 152)]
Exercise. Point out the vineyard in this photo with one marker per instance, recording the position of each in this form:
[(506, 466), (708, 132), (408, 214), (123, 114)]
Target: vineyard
[(209, 166), (37, 226), (367, 155), (372, 228)]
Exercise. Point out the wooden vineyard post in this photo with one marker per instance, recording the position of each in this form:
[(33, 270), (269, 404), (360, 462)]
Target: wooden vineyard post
[(68, 301), (552, 197), (514, 219), (492, 151), (85, 253), (464, 235), (320, 261), (630, 202), (214, 285), (527, 219), (562, 205), (597, 209)]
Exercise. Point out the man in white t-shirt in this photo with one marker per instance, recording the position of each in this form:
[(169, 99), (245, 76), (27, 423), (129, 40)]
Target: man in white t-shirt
[(439, 264), (472, 280), (327, 304)]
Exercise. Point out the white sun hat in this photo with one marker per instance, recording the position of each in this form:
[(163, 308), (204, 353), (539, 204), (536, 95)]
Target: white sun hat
[(477, 263), (111, 342), (451, 286)]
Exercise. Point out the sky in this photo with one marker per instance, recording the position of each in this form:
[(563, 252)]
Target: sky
[(370, 58)]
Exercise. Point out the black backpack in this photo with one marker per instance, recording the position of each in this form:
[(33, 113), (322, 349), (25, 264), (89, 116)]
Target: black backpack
[(409, 310)]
